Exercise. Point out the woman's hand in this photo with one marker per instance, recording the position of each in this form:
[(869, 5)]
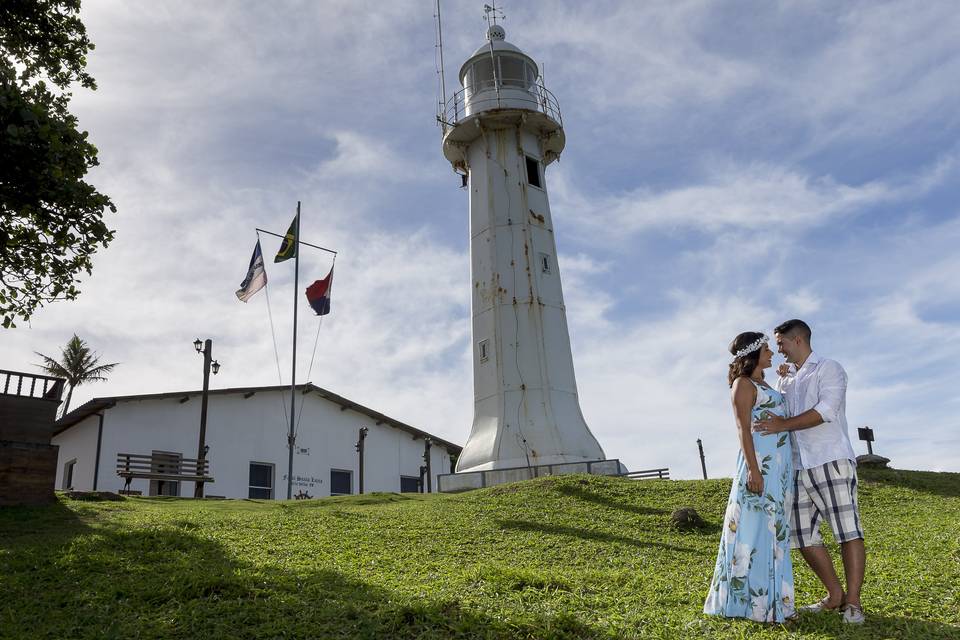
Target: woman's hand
[(783, 370), (754, 481)]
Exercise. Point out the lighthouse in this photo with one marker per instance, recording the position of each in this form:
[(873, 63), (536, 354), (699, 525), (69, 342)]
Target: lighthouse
[(501, 132)]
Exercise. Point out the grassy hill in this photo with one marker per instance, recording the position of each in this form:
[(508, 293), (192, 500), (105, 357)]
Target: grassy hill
[(570, 557)]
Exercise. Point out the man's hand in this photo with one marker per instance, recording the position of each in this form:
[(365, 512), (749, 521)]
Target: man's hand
[(772, 423)]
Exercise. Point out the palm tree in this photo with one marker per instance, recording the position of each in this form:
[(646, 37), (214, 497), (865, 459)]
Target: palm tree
[(77, 365)]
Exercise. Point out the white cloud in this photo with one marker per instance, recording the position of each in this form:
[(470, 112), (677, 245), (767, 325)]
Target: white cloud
[(747, 197)]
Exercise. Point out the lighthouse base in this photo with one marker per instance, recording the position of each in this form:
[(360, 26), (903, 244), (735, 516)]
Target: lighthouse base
[(467, 480)]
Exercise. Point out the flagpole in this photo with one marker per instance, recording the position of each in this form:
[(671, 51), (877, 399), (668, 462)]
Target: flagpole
[(293, 376)]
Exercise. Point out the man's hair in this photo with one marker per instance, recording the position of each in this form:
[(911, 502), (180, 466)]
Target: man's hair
[(795, 328)]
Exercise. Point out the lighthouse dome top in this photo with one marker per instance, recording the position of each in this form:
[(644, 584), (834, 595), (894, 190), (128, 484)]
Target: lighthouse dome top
[(497, 45), (502, 85)]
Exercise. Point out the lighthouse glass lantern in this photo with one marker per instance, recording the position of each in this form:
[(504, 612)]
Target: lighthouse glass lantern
[(502, 130)]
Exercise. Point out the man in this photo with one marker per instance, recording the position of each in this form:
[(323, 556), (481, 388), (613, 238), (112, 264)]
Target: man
[(825, 476)]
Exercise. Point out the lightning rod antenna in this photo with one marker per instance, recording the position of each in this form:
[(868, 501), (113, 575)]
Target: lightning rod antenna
[(443, 85)]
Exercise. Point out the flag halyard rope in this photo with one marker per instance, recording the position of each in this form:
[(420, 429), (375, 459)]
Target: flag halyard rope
[(313, 356), (276, 351)]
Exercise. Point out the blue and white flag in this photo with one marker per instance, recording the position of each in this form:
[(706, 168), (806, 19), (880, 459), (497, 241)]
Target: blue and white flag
[(256, 277)]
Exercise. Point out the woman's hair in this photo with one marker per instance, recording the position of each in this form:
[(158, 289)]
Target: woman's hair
[(744, 365)]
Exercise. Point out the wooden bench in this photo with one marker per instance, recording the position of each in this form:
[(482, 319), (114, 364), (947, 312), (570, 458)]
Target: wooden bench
[(161, 466), (663, 474)]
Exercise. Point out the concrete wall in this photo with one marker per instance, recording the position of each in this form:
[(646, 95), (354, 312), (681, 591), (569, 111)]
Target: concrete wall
[(27, 419), (27, 459), (79, 443), (243, 430)]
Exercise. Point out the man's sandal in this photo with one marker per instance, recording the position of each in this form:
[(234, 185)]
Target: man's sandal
[(819, 607), (852, 614)]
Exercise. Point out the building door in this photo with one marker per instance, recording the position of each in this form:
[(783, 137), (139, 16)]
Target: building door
[(409, 484), (165, 462), (68, 474)]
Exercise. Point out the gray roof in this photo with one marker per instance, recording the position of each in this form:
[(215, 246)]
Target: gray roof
[(97, 405)]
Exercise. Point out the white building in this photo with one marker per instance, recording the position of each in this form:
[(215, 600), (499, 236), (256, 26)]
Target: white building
[(247, 436)]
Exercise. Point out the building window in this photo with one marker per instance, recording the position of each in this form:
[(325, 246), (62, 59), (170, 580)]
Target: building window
[(484, 349), (341, 482), (409, 484), (68, 474), (533, 172), (545, 263), (261, 481)]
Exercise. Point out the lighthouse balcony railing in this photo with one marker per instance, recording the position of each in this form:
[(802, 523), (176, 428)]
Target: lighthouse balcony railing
[(511, 95)]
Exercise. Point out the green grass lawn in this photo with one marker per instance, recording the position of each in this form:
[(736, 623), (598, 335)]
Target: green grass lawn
[(566, 557)]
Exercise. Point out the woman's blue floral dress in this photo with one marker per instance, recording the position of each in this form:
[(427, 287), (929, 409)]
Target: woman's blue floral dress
[(753, 577)]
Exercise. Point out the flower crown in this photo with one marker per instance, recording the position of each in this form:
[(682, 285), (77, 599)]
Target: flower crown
[(753, 346)]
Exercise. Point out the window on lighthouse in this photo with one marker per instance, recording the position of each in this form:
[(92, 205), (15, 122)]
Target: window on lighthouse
[(484, 347), (531, 77), (512, 71), (533, 172), (479, 76), (545, 263)]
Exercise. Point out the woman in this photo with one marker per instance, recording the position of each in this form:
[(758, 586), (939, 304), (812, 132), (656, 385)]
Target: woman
[(753, 577)]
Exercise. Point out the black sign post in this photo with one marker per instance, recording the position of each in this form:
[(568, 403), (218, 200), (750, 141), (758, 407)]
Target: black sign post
[(866, 434), (703, 461)]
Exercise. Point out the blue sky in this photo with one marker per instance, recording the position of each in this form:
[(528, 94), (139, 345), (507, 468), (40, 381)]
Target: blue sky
[(728, 166)]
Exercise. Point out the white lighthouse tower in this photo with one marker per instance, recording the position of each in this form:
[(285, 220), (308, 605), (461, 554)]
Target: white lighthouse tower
[(501, 131)]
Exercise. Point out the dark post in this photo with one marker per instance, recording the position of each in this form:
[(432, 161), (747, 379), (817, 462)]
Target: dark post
[(703, 461), (426, 459), (866, 433), (201, 455), (363, 436), (96, 460), (423, 470)]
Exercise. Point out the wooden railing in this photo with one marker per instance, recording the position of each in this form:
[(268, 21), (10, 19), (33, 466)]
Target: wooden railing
[(663, 474), (29, 385)]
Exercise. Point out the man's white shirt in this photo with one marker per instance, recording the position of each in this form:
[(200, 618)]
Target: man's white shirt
[(820, 384)]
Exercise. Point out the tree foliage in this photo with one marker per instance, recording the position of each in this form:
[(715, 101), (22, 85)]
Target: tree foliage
[(51, 221), (78, 364)]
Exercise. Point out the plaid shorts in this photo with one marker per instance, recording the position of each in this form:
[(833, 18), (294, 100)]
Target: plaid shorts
[(828, 491)]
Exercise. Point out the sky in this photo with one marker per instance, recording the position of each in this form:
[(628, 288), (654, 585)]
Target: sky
[(728, 166)]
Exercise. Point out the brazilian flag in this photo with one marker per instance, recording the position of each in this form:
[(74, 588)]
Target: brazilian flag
[(288, 248)]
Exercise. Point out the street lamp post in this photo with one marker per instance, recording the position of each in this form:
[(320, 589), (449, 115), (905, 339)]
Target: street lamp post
[(209, 364)]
